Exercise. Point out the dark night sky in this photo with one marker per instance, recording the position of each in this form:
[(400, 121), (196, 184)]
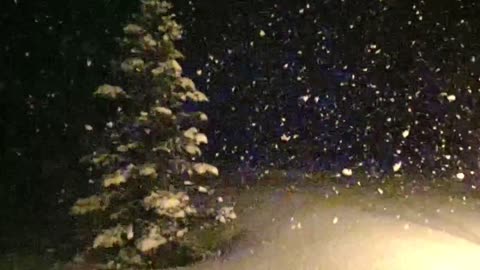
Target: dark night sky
[(348, 77), (55, 52)]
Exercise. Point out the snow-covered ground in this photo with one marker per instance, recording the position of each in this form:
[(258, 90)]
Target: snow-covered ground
[(303, 230)]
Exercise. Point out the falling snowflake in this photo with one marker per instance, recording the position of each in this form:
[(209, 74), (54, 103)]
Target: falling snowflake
[(451, 98), (285, 138), (347, 172), (397, 166)]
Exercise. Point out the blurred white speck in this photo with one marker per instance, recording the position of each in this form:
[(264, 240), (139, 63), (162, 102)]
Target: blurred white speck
[(405, 133), (380, 191), (460, 176), (347, 172), (335, 220), (88, 128), (285, 138), (397, 166), (406, 226), (451, 98), (261, 33)]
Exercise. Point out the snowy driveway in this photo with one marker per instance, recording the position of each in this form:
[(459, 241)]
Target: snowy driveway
[(299, 231)]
